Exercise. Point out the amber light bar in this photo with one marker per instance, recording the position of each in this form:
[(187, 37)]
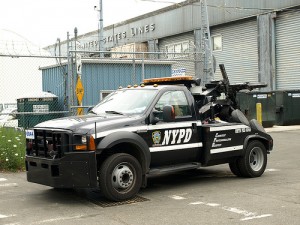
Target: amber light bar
[(167, 79)]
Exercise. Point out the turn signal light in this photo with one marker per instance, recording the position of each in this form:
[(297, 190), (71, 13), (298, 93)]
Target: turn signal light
[(80, 147), (92, 145)]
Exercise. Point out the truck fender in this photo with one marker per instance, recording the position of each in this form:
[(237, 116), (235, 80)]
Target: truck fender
[(255, 137), (128, 137)]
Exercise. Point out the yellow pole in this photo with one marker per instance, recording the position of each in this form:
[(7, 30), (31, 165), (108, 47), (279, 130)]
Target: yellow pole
[(259, 112)]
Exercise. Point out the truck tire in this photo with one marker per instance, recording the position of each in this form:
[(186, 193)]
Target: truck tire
[(254, 162), (235, 169), (120, 177)]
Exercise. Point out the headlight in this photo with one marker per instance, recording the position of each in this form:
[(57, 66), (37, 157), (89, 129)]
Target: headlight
[(83, 140), (84, 143)]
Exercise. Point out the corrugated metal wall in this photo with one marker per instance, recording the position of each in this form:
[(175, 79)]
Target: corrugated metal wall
[(98, 77), (53, 81), (188, 65), (240, 52), (288, 50)]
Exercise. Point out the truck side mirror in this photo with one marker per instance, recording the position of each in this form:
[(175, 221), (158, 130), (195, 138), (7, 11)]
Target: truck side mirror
[(168, 113), (154, 116)]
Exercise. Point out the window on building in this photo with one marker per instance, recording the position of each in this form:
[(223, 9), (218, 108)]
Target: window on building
[(105, 93), (216, 42), (177, 49), (185, 47)]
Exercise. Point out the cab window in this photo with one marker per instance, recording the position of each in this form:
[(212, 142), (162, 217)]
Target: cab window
[(178, 100)]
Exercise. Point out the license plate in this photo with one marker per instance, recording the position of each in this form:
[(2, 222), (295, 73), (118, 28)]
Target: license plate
[(29, 134)]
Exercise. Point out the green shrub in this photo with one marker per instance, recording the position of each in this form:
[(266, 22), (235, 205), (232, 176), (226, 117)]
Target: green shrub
[(12, 149)]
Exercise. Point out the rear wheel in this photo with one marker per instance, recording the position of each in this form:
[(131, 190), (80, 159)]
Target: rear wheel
[(254, 162), (120, 177), (234, 168)]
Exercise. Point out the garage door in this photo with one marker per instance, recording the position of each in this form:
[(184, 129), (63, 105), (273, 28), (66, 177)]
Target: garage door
[(239, 51), (288, 50)]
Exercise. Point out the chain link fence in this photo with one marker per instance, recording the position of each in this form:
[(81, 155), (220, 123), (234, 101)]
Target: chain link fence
[(39, 88)]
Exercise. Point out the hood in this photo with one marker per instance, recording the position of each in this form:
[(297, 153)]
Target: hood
[(86, 124)]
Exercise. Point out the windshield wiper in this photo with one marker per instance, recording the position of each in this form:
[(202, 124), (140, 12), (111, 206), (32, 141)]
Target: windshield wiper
[(92, 112), (114, 112)]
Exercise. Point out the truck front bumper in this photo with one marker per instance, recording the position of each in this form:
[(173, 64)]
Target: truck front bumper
[(74, 170)]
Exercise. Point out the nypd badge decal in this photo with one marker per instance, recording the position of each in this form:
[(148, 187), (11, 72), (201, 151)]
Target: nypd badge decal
[(156, 137)]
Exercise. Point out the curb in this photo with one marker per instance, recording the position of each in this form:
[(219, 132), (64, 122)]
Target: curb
[(282, 128)]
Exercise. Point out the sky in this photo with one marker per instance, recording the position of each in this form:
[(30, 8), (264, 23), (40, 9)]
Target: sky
[(43, 21)]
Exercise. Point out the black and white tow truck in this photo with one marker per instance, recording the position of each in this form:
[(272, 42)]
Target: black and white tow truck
[(164, 125)]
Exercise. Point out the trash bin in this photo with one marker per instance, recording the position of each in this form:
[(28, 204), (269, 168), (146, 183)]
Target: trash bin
[(247, 104), (288, 107), (34, 109)]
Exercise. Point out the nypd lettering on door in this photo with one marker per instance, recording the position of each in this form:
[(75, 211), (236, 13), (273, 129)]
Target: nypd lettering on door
[(178, 136), (173, 139)]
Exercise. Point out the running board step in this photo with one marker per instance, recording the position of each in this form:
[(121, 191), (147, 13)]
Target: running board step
[(174, 168)]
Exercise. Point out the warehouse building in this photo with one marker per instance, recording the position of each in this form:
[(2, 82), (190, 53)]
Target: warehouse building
[(257, 40)]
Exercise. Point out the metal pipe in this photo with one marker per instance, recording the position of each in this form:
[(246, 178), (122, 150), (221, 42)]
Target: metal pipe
[(74, 72), (59, 49), (33, 56), (161, 53), (273, 53), (143, 67), (70, 74)]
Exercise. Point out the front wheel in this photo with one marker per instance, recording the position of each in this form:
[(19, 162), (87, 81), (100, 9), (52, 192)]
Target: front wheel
[(254, 162), (120, 177)]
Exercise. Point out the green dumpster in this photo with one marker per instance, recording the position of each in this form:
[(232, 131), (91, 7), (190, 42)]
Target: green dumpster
[(288, 107), (34, 109), (247, 104)]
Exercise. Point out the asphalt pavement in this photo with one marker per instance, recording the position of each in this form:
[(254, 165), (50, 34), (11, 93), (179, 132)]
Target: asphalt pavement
[(210, 195)]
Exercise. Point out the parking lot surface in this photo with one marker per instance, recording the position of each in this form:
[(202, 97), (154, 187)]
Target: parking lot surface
[(210, 195)]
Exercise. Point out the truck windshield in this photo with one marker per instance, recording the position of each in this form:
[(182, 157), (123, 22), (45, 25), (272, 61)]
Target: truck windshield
[(128, 101)]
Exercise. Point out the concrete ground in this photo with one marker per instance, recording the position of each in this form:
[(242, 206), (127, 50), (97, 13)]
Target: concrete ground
[(205, 196)]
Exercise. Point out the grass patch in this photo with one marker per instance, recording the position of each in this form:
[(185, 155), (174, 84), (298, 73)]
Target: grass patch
[(12, 150)]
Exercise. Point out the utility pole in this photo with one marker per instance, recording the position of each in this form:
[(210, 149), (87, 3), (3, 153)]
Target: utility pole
[(205, 44), (101, 36)]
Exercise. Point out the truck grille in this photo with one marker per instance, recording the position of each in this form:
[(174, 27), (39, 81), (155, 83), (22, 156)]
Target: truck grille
[(50, 144)]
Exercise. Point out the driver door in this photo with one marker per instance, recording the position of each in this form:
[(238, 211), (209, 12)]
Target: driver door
[(174, 142)]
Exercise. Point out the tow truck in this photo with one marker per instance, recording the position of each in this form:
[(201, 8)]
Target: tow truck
[(163, 125)]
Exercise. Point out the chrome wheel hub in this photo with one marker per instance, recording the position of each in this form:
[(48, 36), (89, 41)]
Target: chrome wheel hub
[(122, 177), (256, 159)]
